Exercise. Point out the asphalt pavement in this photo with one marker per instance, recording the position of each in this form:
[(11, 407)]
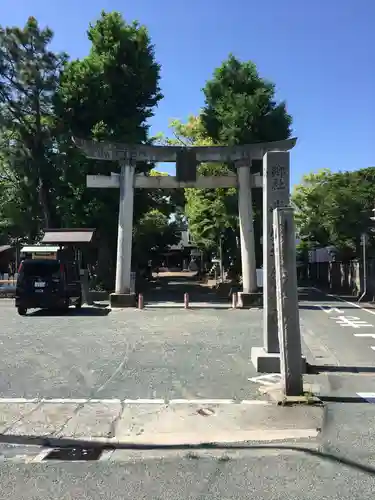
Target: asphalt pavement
[(265, 474), (191, 368), (128, 354), (341, 334)]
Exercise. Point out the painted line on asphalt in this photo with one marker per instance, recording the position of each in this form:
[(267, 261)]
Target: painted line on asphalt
[(40, 456), (19, 400), (144, 401), (342, 300), (132, 401), (62, 401), (372, 335), (330, 310), (368, 396), (202, 401), (104, 401)]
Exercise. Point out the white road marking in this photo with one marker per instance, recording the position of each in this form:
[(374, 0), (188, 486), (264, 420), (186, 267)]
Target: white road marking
[(19, 400), (372, 347), (343, 300), (105, 401), (372, 335), (330, 310), (255, 402), (202, 401), (352, 321), (144, 401), (40, 456), (61, 400), (368, 396), (132, 401), (269, 379)]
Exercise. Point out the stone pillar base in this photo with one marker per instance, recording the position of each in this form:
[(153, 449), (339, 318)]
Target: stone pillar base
[(266, 362), (249, 300), (122, 300)]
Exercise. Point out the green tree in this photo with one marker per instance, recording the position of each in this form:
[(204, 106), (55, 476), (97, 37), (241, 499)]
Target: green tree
[(153, 235), (335, 209), (110, 94), (240, 106), (29, 74), (211, 213)]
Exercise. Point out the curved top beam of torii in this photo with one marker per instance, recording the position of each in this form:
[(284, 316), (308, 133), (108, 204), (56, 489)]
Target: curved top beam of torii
[(113, 151)]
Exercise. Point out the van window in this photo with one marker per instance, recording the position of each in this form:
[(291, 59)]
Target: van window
[(41, 268)]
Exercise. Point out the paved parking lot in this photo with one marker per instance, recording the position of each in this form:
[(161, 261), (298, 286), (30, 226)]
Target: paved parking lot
[(128, 354), (162, 374)]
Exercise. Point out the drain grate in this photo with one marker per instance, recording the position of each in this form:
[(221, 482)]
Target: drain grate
[(74, 454)]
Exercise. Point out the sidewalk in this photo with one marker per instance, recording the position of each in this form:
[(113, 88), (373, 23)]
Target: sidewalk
[(155, 421)]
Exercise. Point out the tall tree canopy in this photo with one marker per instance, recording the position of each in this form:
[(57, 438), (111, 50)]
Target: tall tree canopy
[(110, 95), (45, 100), (211, 213), (335, 209), (240, 108), (29, 73)]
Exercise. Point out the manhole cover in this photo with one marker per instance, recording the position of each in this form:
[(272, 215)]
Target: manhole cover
[(74, 454)]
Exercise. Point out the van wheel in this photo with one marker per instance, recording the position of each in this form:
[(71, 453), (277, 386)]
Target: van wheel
[(79, 303), (22, 311)]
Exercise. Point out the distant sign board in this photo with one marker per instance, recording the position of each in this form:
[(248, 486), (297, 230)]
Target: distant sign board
[(40, 252), (364, 239), (195, 252), (44, 256)]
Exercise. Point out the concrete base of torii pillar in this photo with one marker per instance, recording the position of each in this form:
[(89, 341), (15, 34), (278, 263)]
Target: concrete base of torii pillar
[(249, 300), (118, 300)]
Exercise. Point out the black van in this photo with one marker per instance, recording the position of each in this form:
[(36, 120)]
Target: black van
[(47, 284)]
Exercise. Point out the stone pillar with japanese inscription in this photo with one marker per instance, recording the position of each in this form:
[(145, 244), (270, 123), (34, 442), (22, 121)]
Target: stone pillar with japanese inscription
[(276, 193)]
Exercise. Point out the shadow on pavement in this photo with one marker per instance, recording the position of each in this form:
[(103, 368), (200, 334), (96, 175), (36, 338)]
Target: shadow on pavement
[(314, 295), (85, 311), (314, 369), (63, 443), (344, 399), (173, 288), (154, 307)]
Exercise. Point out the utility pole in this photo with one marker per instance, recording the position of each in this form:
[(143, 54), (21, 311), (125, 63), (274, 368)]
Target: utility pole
[(364, 239), (221, 258)]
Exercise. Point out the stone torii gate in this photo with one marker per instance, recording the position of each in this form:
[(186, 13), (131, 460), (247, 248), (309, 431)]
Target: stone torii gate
[(275, 185)]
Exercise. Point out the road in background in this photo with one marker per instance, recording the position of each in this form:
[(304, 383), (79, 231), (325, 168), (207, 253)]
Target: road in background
[(343, 334), (344, 328), (262, 474)]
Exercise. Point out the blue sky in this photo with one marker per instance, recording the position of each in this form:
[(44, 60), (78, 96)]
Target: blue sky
[(319, 53)]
